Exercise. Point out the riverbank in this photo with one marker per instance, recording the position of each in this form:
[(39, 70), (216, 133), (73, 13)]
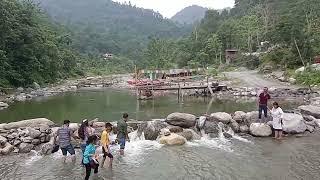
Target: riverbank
[(175, 129)]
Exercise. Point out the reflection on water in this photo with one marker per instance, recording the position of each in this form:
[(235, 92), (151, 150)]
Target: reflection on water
[(108, 105), (244, 159)]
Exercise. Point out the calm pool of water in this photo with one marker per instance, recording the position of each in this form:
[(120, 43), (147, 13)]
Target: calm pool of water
[(109, 104)]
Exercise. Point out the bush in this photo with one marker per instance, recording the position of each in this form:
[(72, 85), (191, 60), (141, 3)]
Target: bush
[(309, 78)]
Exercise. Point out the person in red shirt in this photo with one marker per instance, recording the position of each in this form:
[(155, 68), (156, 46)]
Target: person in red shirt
[(263, 103)]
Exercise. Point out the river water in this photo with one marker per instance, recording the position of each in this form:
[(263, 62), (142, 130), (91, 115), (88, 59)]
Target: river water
[(241, 158), (109, 104)]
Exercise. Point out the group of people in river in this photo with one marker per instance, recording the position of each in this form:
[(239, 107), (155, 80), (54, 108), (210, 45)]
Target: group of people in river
[(90, 158), (276, 113)]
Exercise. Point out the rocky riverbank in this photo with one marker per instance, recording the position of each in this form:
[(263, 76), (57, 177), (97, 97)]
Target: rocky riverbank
[(175, 129)]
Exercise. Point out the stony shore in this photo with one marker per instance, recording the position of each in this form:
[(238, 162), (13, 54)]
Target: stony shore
[(175, 129)]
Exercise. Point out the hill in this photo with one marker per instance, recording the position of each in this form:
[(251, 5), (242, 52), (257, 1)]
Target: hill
[(104, 26), (190, 14)]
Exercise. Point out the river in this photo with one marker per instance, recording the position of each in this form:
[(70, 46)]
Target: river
[(109, 104)]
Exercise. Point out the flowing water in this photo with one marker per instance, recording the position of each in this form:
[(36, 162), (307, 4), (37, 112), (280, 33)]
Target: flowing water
[(109, 104), (238, 158)]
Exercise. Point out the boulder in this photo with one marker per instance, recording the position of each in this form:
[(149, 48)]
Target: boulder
[(183, 120), (151, 129), (293, 123), (251, 117), (172, 139), (7, 148), (3, 141), (239, 116), (16, 142), (260, 130), (33, 133), (134, 124), (26, 139), (175, 129), (25, 147), (29, 123), (310, 110), (74, 126), (221, 117), (189, 134), (44, 128), (235, 126), (244, 129), (211, 128), (35, 141)]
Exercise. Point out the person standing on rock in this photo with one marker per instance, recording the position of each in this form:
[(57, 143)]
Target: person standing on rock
[(64, 133), (122, 134), (277, 115), (105, 143), (263, 103)]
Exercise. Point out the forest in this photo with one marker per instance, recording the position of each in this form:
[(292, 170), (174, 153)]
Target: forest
[(47, 40)]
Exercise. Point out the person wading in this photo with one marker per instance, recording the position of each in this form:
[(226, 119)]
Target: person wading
[(83, 134), (263, 104), (64, 134), (105, 143), (90, 157), (122, 135), (277, 115)]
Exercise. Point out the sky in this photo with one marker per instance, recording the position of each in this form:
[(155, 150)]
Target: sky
[(169, 8)]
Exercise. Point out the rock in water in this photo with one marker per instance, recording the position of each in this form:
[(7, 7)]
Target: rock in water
[(151, 129), (172, 139), (7, 148), (183, 120), (244, 129), (235, 126), (189, 134), (175, 129), (293, 123), (28, 123), (227, 135), (47, 148), (221, 117), (211, 128), (260, 130), (310, 110), (25, 147), (239, 116)]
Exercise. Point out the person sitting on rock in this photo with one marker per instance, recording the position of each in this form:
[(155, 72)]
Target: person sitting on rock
[(105, 143), (263, 103), (277, 115), (64, 134)]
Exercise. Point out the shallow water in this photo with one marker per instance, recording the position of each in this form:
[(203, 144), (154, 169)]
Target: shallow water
[(109, 104), (244, 159)]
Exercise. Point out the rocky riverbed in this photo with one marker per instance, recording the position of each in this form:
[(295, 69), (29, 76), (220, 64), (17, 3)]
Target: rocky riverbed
[(175, 129)]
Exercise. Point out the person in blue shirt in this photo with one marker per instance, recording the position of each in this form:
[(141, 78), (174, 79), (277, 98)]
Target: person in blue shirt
[(90, 157)]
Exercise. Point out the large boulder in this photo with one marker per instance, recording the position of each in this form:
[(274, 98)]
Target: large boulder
[(221, 117), (151, 129), (239, 116), (189, 134), (235, 126), (251, 117), (310, 110), (28, 123), (260, 130), (244, 129), (25, 147), (172, 139), (33, 133), (293, 123), (183, 120), (211, 128)]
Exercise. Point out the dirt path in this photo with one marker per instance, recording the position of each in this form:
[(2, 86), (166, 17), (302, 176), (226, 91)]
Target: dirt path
[(251, 78)]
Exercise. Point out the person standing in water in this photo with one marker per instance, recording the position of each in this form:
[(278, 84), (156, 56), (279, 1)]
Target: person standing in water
[(105, 143), (83, 134), (122, 134), (263, 103), (64, 134), (90, 157), (277, 115)]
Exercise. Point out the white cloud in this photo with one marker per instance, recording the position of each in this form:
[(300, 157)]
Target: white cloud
[(169, 8)]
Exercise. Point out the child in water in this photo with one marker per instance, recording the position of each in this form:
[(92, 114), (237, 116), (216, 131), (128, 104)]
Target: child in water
[(277, 115), (90, 157), (105, 143)]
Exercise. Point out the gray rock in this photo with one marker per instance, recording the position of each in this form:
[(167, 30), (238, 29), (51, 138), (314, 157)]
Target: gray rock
[(244, 129), (16, 142), (3, 141), (26, 139), (235, 126), (189, 134), (260, 130), (33, 133), (43, 128), (175, 129), (21, 97), (310, 128), (239, 116), (25, 147), (310, 110), (227, 135), (293, 123), (211, 127), (221, 117), (47, 148), (35, 141), (6, 149), (183, 120), (28, 123), (20, 89), (151, 129), (308, 118)]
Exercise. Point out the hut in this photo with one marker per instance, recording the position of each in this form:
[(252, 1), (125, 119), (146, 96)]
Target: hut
[(231, 55)]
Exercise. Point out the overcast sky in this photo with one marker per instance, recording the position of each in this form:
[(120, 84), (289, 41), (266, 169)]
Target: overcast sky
[(169, 8)]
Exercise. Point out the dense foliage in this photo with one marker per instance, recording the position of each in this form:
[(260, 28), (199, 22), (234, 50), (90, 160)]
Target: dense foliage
[(31, 48), (290, 29)]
